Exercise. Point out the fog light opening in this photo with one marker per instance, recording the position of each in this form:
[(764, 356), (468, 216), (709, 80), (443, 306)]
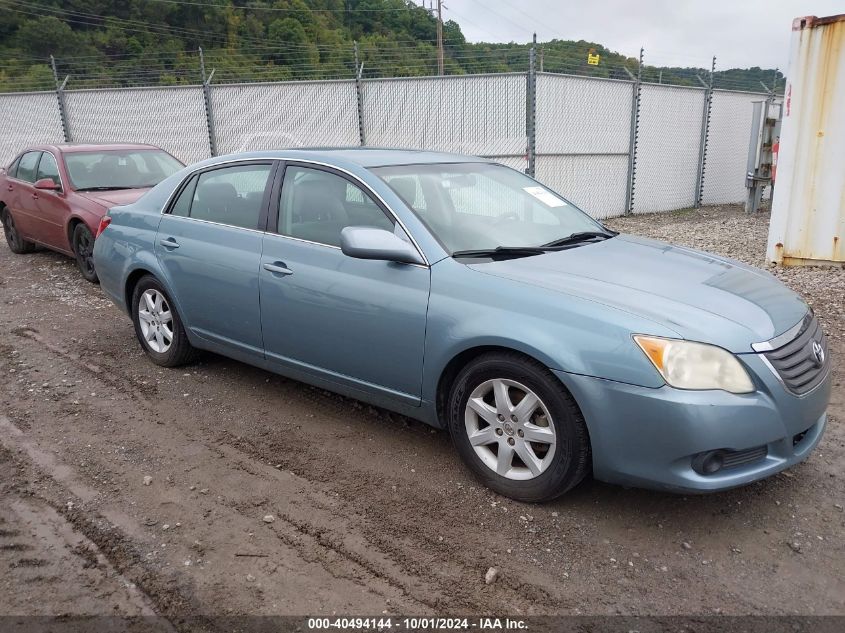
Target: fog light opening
[(709, 463)]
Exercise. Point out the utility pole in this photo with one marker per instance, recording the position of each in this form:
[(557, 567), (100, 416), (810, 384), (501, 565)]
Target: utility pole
[(439, 37)]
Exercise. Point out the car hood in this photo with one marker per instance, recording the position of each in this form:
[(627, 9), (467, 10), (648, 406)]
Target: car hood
[(700, 296), (113, 198)]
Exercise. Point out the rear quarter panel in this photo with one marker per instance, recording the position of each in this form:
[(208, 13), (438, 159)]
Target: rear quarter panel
[(127, 245)]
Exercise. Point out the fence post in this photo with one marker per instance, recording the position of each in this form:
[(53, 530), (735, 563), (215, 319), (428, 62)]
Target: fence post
[(531, 110), (209, 111), (633, 135), (359, 92), (705, 133), (60, 95)]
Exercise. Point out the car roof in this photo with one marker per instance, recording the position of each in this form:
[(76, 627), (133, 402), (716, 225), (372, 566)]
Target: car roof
[(92, 147), (362, 156)]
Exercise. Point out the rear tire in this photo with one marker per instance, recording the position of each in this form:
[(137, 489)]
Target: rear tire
[(158, 326), (534, 452), (83, 249), (16, 243)]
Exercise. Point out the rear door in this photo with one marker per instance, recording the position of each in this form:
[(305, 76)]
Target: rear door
[(22, 196), (209, 247)]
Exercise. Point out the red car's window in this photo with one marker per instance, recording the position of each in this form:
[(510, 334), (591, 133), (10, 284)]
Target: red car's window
[(48, 168), (13, 168), (27, 166)]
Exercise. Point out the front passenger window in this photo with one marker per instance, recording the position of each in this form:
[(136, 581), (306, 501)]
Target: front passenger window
[(317, 205), (231, 195), (48, 168)]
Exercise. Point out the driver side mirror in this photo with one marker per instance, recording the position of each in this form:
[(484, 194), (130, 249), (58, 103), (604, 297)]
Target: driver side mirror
[(363, 242), (47, 184)]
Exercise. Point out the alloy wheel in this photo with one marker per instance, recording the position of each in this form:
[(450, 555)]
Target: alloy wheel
[(156, 321), (85, 252), (510, 429)]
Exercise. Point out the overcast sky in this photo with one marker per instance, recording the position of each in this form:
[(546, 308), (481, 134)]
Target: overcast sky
[(741, 33)]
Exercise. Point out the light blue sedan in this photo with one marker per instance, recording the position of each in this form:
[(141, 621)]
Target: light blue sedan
[(469, 296)]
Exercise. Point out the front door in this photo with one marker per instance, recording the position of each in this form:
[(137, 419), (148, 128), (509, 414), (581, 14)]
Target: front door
[(209, 246), (50, 208), (354, 322)]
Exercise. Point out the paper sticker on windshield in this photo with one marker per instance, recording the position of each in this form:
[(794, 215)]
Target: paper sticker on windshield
[(545, 196)]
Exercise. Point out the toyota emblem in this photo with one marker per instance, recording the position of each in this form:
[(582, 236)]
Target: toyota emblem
[(818, 353)]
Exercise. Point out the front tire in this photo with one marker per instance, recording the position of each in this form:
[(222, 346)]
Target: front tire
[(517, 428), (83, 249), (16, 243), (158, 326)]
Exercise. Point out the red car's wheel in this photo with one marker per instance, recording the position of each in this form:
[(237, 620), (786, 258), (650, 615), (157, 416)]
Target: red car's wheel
[(83, 248), (16, 243)]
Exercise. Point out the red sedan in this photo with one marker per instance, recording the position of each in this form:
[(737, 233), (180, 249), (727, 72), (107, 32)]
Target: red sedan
[(55, 195)]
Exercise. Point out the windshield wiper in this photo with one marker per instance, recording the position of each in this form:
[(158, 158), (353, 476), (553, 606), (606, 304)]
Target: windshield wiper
[(504, 251), (582, 236)]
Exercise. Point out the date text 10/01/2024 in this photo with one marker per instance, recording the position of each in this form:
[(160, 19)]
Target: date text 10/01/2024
[(415, 624)]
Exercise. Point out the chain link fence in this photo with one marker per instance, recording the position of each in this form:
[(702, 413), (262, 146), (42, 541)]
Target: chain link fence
[(668, 147), (260, 116), (583, 140), (172, 118), (28, 117), (730, 126), (585, 128)]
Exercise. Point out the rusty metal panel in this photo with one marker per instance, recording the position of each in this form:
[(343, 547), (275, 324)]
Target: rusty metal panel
[(808, 208)]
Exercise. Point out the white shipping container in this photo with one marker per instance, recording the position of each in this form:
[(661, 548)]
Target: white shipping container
[(808, 209)]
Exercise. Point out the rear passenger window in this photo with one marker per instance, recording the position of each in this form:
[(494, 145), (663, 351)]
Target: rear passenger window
[(13, 168), (232, 195), (182, 206), (27, 166)]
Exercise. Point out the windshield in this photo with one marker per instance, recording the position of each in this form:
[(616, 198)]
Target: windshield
[(479, 206), (119, 169)]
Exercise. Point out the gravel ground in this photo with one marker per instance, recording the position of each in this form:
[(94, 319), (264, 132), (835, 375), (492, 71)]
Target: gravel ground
[(222, 489)]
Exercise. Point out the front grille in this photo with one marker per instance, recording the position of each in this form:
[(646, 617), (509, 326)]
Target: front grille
[(732, 459), (797, 362), (713, 462)]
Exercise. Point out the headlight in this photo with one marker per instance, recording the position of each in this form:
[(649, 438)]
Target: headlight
[(688, 365)]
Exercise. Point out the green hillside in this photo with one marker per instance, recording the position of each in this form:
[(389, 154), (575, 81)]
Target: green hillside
[(148, 42)]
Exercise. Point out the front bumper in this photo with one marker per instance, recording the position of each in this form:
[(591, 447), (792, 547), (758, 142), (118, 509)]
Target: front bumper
[(649, 437)]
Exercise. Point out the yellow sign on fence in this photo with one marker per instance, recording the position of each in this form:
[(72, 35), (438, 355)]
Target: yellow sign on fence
[(593, 58)]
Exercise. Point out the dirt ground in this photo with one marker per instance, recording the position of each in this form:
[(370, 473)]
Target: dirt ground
[(270, 497)]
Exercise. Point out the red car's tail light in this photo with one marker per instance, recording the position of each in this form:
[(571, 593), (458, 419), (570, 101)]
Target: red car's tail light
[(104, 222)]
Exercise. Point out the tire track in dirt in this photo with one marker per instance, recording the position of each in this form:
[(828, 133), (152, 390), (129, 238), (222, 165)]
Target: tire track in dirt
[(380, 557)]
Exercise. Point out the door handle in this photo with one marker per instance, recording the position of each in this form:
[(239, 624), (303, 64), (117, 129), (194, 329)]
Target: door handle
[(10, 187), (169, 242), (35, 196), (278, 268)]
